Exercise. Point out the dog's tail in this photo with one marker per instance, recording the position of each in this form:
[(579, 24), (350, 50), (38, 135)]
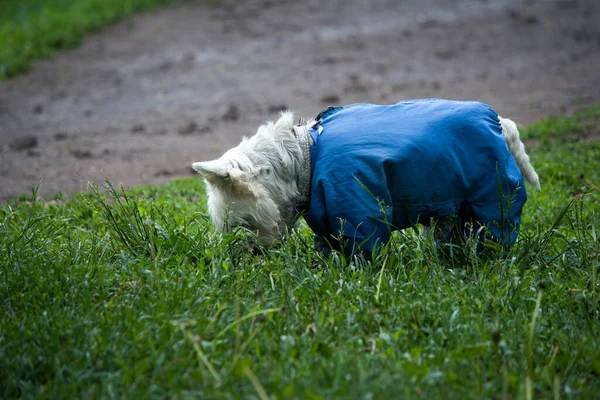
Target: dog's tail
[(516, 147)]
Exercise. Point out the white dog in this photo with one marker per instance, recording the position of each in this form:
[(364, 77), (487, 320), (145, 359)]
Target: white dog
[(358, 172)]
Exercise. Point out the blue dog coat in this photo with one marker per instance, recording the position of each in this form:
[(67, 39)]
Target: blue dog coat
[(379, 168)]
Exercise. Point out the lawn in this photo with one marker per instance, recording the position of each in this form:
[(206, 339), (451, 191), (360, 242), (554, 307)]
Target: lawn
[(33, 29), (130, 294)]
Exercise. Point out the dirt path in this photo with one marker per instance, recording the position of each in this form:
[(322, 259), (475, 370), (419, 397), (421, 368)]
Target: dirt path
[(140, 101)]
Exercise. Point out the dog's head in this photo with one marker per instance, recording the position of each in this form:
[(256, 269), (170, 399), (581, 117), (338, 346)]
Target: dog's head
[(254, 185)]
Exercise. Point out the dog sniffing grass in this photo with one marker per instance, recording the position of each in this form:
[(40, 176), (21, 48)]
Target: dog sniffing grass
[(131, 294), (362, 171)]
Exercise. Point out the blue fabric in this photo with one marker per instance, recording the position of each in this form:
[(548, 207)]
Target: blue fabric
[(379, 168)]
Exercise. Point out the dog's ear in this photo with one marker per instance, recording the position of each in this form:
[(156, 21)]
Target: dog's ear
[(226, 177), (282, 132), (285, 121), (213, 171)]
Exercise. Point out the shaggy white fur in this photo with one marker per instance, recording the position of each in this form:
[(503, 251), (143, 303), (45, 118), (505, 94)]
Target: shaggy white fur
[(517, 148), (257, 184)]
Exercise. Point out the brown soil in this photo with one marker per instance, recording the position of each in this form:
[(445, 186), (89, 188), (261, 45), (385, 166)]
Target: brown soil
[(140, 101)]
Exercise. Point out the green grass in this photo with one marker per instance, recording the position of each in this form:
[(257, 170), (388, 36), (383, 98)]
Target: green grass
[(131, 294), (576, 126), (33, 29)]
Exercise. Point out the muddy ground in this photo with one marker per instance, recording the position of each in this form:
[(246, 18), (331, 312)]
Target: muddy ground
[(141, 100)]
